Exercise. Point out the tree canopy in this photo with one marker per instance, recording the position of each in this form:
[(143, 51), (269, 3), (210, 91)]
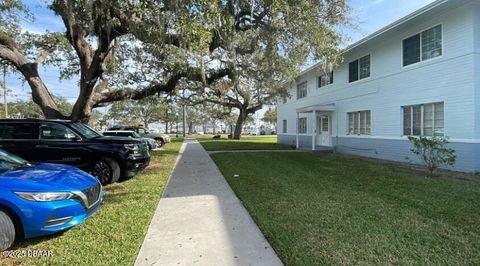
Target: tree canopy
[(146, 111), (270, 116), (236, 54)]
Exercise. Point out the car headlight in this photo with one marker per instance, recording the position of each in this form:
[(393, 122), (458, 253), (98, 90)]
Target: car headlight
[(45, 196), (133, 147)]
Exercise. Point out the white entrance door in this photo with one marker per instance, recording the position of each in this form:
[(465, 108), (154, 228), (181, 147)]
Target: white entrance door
[(323, 131)]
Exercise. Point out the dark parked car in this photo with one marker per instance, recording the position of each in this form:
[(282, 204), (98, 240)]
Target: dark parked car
[(160, 138), (152, 144), (41, 199), (58, 141)]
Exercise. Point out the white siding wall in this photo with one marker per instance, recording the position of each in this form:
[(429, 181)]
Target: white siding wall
[(450, 78), (476, 23)]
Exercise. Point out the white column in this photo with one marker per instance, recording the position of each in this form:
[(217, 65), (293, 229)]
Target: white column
[(314, 129), (296, 130)]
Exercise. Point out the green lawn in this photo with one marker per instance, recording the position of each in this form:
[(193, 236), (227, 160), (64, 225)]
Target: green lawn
[(245, 143), (329, 209), (112, 236)]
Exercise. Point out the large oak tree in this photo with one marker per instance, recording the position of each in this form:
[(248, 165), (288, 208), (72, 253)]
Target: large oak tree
[(233, 53)]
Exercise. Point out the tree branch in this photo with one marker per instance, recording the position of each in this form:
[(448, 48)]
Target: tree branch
[(137, 94), (9, 51), (44, 55)]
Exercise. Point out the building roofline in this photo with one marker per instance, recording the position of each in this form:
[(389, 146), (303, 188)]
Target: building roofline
[(395, 24), (382, 30)]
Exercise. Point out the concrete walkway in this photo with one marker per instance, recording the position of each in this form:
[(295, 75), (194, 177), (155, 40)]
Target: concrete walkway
[(236, 151), (200, 221)]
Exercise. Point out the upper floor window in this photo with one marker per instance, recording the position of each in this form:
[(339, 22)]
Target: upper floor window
[(423, 46), (423, 120), (302, 90), (302, 125), (359, 123), (359, 69), (325, 79)]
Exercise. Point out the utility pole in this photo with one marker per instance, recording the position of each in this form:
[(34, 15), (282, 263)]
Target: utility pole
[(5, 90), (166, 121), (184, 107)]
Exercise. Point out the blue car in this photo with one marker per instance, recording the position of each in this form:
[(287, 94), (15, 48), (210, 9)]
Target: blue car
[(41, 199)]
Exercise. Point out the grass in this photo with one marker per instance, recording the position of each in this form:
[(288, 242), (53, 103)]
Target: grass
[(329, 209), (245, 143), (114, 235)]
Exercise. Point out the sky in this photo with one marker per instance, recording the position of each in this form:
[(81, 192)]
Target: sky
[(370, 15)]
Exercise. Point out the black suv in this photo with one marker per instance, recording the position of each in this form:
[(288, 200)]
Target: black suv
[(59, 141)]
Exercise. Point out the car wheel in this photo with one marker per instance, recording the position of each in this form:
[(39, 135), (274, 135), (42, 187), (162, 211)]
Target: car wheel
[(106, 170), (7, 231), (160, 142)]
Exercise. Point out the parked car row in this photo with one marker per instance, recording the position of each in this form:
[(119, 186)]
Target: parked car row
[(41, 192), (161, 139), (58, 141), (152, 144)]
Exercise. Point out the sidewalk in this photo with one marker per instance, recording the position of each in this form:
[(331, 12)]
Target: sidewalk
[(200, 221)]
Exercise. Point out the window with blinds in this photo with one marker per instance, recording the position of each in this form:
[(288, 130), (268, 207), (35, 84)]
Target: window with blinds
[(302, 125), (302, 90), (423, 119), (359, 123)]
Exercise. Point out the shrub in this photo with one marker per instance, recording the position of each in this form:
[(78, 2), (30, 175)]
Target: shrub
[(433, 152)]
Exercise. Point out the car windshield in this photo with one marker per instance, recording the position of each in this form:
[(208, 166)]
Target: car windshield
[(10, 162), (136, 135), (86, 131)]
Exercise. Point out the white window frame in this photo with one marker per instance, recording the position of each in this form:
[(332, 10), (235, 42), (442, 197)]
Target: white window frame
[(300, 87), (358, 69), (422, 118), (357, 115), (329, 76), (302, 126), (421, 48)]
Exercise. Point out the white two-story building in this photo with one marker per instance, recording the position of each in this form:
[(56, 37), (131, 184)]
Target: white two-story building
[(418, 76)]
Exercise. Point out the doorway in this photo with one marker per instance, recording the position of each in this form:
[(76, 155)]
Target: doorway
[(324, 137)]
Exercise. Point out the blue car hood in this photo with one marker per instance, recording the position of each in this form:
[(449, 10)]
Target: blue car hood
[(46, 178)]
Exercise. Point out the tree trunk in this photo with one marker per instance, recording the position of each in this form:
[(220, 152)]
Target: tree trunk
[(40, 93), (190, 127), (239, 125)]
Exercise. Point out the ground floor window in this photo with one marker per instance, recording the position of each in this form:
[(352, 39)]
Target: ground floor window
[(302, 125), (423, 120), (359, 123), (284, 126)]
